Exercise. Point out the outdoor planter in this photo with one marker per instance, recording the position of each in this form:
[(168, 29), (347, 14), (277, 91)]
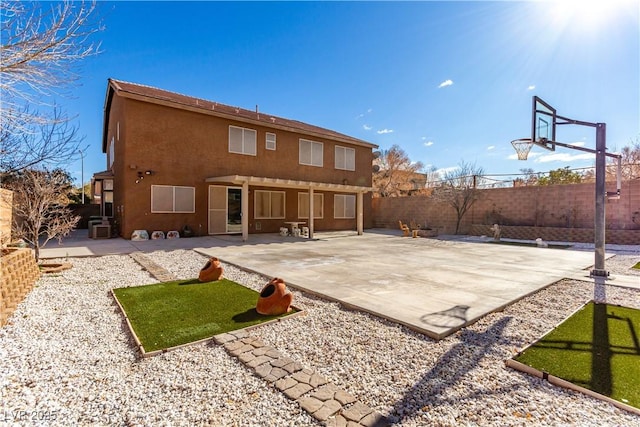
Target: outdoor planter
[(212, 271), (156, 235), (139, 235), (274, 298)]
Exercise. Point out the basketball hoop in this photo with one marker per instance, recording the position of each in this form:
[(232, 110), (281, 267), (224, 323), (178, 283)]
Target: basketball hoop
[(522, 147)]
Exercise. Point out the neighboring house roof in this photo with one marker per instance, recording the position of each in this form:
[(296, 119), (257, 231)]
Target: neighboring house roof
[(176, 100)]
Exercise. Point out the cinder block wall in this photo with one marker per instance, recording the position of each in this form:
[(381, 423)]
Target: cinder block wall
[(558, 207), (19, 274)]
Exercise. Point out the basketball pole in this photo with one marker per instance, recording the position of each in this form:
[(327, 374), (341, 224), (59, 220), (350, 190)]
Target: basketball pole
[(601, 192)]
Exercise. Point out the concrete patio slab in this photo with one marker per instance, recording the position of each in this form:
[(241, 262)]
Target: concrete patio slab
[(430, 285), (433, 286)]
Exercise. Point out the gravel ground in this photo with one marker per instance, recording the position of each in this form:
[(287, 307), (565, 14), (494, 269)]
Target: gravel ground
[(66, 358)]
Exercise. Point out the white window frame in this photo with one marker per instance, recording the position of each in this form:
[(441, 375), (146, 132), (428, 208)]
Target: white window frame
[(314, 161), (249, 141), (255, 204), (348, 156), (173, 188), (305, 203), (347, 199), (270, 141)]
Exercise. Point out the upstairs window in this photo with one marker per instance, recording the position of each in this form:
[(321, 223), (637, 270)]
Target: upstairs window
[(270, 143), (242, 141), (310, 153), (345, 158)]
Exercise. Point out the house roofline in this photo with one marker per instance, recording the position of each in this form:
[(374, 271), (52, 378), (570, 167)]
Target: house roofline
[(184, 102)]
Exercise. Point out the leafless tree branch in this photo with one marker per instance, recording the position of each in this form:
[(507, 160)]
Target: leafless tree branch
[(48, 144), (40, 200), (40, 42), (459, 189)]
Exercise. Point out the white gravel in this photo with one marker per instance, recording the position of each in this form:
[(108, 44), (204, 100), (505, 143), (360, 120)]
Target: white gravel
[(66, 358)]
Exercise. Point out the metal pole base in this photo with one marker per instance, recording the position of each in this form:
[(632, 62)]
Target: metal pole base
[(599, 273)]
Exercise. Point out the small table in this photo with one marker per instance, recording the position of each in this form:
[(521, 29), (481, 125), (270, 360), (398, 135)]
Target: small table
[(294, 224)]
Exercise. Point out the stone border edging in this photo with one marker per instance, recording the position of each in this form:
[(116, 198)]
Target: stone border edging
[(323, 400), (161, 273), (559, 382)]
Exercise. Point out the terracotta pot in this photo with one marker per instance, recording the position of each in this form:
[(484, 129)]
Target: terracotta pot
[(212, 271), (274, 298)]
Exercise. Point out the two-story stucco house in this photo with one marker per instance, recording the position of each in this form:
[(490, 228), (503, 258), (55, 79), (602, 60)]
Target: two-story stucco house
[(174, 160)]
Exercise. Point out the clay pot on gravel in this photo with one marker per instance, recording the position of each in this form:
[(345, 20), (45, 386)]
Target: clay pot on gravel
[(212, 271), (274, 298)]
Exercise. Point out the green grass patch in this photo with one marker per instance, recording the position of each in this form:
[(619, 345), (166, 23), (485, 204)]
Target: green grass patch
[(597, 348), (637, 266), (530, 244), (173, 313)]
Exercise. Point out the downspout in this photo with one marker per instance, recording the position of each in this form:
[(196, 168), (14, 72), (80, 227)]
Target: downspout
[(244, 210)]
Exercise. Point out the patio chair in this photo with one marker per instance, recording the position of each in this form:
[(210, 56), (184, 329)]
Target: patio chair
[(405, 229)]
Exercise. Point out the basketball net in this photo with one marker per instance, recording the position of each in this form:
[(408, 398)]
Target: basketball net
[(522, 147)]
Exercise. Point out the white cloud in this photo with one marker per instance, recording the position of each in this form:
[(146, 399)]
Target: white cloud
[(366, 127), (427, 143), (445, 83), (444, 171), (531, 87), (491, 147), (361, 115), (383, 131)]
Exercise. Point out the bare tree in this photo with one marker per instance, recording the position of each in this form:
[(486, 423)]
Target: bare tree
[(459, 189), (397, 175), (529, 178), (43, 144), (40, 199), (40, 43), (630, 161)]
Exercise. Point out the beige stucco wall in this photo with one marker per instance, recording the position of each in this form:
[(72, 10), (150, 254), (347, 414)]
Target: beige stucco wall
[(6, 211), (569, 206)]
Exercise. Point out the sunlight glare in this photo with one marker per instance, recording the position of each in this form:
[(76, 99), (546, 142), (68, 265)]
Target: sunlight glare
[(589, 14)]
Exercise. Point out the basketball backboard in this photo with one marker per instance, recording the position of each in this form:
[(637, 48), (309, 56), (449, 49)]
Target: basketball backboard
[(543, 124)]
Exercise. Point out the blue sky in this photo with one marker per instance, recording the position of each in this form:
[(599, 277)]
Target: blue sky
[(446, 81)]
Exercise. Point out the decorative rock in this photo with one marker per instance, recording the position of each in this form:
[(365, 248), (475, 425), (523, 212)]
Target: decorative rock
[(274, 298), (211, 271), (173, 234)]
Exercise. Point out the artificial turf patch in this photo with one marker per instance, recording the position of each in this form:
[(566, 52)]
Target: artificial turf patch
[(173, 313), (597, 348), (637, 266)]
